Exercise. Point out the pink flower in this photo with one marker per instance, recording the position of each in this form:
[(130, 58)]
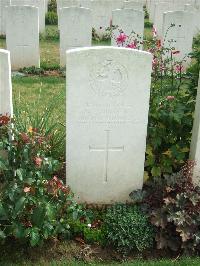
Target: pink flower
[(121, 38), (154, 31), (170, 98), (27, 189), (179, 68), (132, 45), (38, 161), (154, 62)]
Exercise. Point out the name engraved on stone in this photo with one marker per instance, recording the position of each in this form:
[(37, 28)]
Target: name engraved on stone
[(100, 114), (109, 78), (106, 148)]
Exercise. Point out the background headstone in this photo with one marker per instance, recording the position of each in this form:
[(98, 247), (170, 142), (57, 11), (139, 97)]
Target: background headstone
[(22, 36), (160, 8), (75, 29), (128, 20), (107, 114), (181, 34), (40, 4), (134, 5), (195, 142), (102, 14), (3, 5), (5, 84)]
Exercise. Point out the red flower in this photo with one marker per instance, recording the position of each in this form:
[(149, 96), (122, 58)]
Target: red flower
[(4, 120), (121, 38), (38, 161), (158, 44)]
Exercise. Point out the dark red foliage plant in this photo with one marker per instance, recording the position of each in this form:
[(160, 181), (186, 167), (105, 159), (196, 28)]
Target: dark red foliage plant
[(173, 205)]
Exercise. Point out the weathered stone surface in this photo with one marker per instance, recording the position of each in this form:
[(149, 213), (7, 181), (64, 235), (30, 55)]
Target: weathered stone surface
[(180, 36), (195, 142), (108, 91), (22, 36), (102, 14), (75, 29), (5, 83), (40, 4), (134, 5), (3, 4), (160, 8)]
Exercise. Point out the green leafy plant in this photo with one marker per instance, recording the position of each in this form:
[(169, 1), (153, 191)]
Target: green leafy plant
[(172, 103), (173, 205), (148, 24), (127, 228), (51, 18), (52, 6), (34, 202), (89, 227)]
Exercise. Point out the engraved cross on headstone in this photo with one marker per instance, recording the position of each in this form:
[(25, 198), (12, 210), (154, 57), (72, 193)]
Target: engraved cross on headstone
[(107, 148)]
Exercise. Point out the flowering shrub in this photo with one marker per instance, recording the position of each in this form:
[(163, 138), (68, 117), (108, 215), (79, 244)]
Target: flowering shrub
[(34, 203), (172, 104), (133, 40)]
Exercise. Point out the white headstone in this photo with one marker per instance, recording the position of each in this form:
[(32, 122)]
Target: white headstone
[(102, 14), (40, 4), (5, 84), (65, 3), (86, 3), (160, 8), (22, 36), (107, 114), (134, 5), (128, 20), (3, 4), (196, 15), (75, 29), (179, 5), (46, 6), (189, 7), (181, 34), (152, 9), (195, 142)]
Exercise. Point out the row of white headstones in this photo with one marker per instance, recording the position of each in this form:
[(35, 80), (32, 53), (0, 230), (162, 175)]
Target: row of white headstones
[(156, 9), (108, 91), (22, 30)]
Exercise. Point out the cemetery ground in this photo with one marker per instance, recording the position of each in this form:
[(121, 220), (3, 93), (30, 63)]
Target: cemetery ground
[(39, 107)]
